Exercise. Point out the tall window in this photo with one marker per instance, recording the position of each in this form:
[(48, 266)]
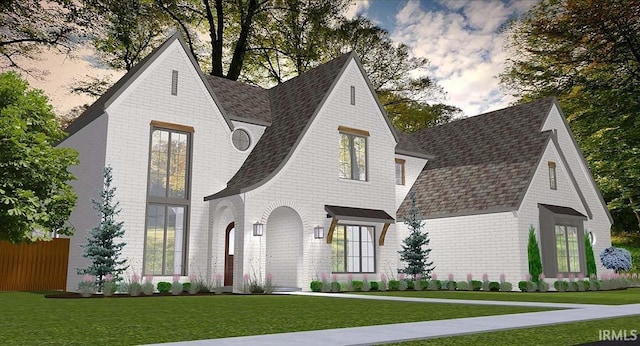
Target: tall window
[(400, 171), (352, 249), (167, 202), (353, 157), (552, 176), (567, 251)]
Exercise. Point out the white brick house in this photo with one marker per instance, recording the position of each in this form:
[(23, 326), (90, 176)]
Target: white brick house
[(201, 163)]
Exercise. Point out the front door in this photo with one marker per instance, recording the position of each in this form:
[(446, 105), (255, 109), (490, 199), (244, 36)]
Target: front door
[(228, 252)]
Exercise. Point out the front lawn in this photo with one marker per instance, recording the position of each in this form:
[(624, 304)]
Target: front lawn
[(30, 319), (562, 334), (618, 297)]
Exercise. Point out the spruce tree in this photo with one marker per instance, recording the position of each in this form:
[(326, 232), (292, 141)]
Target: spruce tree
[(415, 249), (533, 250), (102, 248)]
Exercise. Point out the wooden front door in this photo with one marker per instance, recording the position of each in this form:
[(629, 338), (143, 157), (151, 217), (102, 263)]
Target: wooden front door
[(228, 254)]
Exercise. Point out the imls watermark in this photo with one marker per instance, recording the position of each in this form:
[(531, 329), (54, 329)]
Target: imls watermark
[(618, 335)]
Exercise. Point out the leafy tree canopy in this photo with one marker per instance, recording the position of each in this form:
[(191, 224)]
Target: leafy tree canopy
[(587, 53), (35, 197)]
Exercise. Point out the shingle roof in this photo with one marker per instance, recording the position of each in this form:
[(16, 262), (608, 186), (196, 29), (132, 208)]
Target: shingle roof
[(242, 101), (293, 104), (482, 164)]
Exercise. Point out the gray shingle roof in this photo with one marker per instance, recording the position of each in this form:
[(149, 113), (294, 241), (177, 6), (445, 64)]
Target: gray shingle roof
[(242, 101), (293, 105), (482, 164)]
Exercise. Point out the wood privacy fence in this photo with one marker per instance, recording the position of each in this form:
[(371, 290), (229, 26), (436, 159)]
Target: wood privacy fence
[(32, 267)]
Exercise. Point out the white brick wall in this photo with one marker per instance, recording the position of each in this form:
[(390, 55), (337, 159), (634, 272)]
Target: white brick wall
[(90, 143), (599, 224), (412, 167), (149, 98), (309, 180), (475, 244)]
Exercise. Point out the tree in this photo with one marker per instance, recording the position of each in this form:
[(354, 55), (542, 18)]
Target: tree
[(591, 260), (35, 197), (102, 248), (587, 53), (533, 251), (415, 249), (30, 25)]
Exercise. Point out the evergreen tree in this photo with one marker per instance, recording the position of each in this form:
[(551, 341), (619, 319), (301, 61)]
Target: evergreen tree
[(101, 246), (415, 250), (591, 259), (533, 250)]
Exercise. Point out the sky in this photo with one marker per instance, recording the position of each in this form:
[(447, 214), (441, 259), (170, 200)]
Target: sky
[(461, 39)]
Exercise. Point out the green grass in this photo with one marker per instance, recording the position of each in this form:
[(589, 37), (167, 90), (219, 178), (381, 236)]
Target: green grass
[(562, 334), (628, 296), (29, 318)]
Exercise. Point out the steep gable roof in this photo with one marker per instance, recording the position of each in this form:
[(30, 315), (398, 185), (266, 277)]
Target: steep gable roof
[(483, 163), (98, 107), (294, 104), (242, 102)]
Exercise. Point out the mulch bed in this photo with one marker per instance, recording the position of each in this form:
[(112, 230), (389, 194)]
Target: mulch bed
[(74, 295)]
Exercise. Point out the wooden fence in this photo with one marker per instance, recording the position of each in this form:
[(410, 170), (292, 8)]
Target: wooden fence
[(33, 267)]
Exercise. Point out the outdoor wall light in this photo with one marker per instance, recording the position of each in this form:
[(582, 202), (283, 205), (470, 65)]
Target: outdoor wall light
[(258, 229), (318, 232)]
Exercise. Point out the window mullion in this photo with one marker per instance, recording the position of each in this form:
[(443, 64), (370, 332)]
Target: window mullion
[(352, 154), (168, 173)]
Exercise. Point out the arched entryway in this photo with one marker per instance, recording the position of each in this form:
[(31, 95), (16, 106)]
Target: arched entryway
[(229, 246), (284, 247)]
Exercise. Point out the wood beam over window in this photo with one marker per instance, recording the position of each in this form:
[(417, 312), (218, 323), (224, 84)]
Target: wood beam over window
[(352, 131), (383, 234), (332, 228), (172, 126)]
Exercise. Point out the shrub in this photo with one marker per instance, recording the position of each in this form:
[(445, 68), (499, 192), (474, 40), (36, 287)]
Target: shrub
[(618, 259), (336, 287), (494, 286), (583, 285), (356, 285), (403, 285), (147, 288), (87, 286), (316, 286), (255, 287), (394, 285), (462, 286), (450, 285), (176, 288), (476, 285), (543, 286), (594, 285), (186, 287), (506, 286), (163, 287), (434, 285), (374, 285), (561, 285), (572, 286), (424, 284), (109, 288), (527, 286), (410, 284)]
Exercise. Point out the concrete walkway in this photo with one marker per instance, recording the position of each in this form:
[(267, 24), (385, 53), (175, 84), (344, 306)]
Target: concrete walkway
[(430, 329)]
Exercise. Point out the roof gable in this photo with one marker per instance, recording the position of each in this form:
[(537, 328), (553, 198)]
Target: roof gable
[(293, 104), (483, 163), (98, 107)]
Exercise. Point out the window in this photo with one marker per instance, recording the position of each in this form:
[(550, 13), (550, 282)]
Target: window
[(353, 95), (353, 154), (562, 240), (167, 201), (567, 251), (352, 249), (552, 176), (400, 171), (241, 139), (174, 82)]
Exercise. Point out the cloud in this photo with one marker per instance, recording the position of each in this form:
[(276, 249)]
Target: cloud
[(358, 7), (464, 44)]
